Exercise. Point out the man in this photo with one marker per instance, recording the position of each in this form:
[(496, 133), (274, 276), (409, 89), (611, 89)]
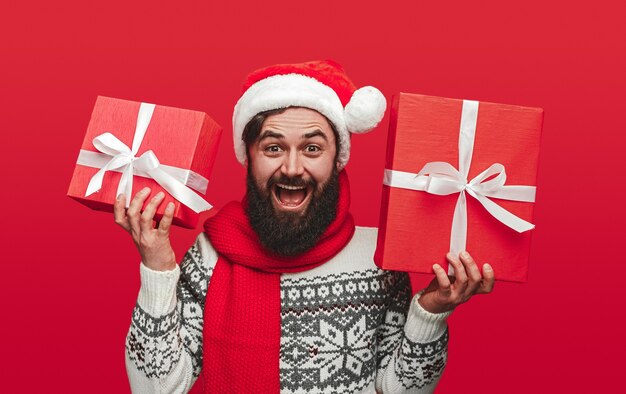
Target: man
[(280, 293)]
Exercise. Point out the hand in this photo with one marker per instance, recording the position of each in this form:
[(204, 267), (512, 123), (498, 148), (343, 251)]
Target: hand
[(444, 293), (153, 243)]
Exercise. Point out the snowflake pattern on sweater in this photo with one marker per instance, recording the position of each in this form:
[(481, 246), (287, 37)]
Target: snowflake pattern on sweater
[(338, 330), (341, 332)]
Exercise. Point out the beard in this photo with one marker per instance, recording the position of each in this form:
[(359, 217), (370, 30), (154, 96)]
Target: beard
[(291, 233)]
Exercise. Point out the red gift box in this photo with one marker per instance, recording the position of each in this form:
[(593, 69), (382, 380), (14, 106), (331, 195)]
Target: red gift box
[(167, 149), (420, 202)]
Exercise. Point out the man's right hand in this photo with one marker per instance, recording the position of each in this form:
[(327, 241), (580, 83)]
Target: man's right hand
[(153, 243)]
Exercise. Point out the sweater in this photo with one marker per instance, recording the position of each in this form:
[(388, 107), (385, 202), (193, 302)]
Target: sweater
[(346, 327)]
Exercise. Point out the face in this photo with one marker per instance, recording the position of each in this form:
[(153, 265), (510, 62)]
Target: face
[(293, 158), (293, 183)]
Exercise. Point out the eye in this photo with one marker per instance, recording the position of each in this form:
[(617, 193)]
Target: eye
[(312, 149), (273, 149)]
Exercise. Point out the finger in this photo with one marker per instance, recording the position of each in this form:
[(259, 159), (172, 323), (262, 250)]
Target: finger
[(166, 220), (473, 273), (442, 280), (459, 272), (489, 280), (119, 212), (148, 213), (133, 209)]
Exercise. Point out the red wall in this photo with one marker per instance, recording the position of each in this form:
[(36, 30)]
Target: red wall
[(69, 275)]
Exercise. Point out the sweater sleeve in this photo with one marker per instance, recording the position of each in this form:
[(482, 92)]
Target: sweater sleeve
[(413, 344), (164, 342)]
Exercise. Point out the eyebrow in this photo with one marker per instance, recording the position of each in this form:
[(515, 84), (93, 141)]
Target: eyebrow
[(315, 133), (270, 133)]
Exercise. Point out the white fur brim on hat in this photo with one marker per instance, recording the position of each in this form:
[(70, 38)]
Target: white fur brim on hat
[(364, 111)]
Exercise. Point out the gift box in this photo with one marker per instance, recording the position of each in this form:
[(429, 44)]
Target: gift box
[(459, 175), (130, 145)]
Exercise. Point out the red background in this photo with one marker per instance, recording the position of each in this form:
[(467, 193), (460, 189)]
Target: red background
[(69, 275)]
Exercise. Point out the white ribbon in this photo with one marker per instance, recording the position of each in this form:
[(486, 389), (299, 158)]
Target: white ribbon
[(121, 158), (442, 178)]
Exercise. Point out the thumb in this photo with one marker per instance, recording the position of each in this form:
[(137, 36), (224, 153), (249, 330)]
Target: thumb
[(443, 281), (166, 220)]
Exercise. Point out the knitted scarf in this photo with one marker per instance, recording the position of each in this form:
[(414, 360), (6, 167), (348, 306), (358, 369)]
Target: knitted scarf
[(241, 335)]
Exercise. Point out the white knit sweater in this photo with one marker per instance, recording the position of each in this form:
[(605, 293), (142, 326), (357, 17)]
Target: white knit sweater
[(346, 327)]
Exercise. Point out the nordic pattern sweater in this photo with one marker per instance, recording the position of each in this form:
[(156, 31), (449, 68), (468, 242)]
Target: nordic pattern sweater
[(346, 327)]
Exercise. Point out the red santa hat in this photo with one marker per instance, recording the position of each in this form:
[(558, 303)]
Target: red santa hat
[(319, 85)]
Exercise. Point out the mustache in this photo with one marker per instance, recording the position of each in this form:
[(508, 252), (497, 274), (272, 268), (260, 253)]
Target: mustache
[(295, 181)]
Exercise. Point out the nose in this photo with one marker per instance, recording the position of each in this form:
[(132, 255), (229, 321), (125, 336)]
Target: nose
[(292, 166)]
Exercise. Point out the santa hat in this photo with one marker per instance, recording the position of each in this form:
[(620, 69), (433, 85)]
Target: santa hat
[(319, 85)]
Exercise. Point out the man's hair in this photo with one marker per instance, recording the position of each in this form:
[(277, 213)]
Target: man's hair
[(253, 129)]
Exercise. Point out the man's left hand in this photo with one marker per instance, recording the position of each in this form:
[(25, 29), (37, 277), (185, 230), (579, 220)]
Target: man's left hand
[(444, 293)]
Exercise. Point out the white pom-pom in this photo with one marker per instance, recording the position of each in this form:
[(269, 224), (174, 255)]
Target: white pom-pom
[(365, 109)]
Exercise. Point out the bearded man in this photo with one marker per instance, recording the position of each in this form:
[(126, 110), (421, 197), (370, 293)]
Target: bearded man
[(280, 292)]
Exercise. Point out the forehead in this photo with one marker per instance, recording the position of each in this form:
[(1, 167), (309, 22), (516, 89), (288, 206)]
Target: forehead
[(297, 120)]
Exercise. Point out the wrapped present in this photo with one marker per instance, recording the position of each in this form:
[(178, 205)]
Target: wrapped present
[(131, 145), (459, 175)]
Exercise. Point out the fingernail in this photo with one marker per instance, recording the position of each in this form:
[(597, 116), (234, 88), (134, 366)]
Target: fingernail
[(487, 267), (145, 190), (120, 196), (170, 207), (465, 254), (159, 195)]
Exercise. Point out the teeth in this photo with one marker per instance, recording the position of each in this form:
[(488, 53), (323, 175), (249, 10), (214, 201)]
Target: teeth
[(290, 187)]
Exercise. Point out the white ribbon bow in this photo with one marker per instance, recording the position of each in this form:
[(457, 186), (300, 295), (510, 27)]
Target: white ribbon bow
[(442, 178), (122, 158)]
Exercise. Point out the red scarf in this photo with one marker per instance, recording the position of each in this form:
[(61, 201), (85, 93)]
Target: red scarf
[(241, 336)]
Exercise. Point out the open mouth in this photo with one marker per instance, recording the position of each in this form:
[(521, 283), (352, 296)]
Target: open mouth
[(290, 197)]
